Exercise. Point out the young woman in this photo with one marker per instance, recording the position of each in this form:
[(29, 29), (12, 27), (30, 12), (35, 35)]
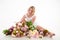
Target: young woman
[(29, 16), (22, 29)]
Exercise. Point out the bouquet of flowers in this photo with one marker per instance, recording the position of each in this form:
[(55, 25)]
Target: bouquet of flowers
[(25, 29)]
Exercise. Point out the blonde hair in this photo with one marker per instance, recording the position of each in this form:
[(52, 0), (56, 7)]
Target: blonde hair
[(32, 7)]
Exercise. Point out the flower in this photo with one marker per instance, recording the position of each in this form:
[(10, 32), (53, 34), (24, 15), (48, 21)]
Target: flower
[(33, 33), (25, 28), (18, 24), (13, 35)]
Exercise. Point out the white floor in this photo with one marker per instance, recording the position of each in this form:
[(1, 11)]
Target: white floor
[(24, 38)]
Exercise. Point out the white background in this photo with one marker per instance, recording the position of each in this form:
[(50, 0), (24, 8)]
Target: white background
[(47, 12)]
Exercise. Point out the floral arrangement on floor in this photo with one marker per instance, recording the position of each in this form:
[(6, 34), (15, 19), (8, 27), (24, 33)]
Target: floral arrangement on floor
[(25, 29)]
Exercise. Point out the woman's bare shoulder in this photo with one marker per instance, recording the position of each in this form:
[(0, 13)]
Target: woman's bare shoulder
[(34, 16)]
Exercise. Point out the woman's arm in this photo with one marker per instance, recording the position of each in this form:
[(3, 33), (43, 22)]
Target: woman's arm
[(23, 19), (33, 19)]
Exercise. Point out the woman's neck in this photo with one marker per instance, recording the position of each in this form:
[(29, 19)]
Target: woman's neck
[(29, 15)]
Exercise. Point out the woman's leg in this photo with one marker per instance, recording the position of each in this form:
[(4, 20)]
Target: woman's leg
[(39, 28), (45, 32)]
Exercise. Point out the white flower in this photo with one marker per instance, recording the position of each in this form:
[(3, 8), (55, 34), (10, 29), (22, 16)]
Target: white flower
[(19, 23), (13, 35), (14, 29), (33, 33)]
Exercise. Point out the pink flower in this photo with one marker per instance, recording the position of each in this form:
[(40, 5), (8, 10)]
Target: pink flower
[(18, 34), (36, 35), (24, 28)]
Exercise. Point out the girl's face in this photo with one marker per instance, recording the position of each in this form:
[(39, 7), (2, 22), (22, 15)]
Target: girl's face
[(31, 11)]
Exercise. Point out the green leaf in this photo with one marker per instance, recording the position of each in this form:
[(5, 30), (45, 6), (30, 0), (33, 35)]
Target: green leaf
[(32, 27), (5, 31), (29, 23)]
